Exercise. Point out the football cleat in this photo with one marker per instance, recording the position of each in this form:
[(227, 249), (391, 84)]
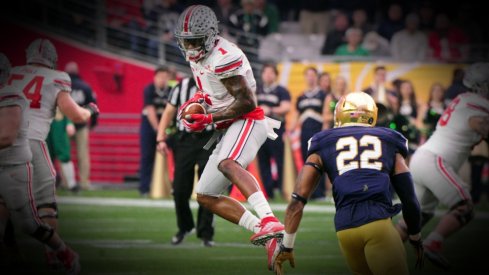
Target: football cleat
[(270, 227), (70, 261), (180, 236), (432, 251)]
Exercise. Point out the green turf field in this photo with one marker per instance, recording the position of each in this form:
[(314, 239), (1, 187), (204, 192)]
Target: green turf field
[(131, 239)]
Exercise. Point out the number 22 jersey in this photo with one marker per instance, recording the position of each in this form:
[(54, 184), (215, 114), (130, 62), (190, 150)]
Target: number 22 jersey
[(359, 162)]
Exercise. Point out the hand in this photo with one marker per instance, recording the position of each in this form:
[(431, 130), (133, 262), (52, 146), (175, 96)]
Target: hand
[(281, 255), (93, 109), (162, 147), (197, 122), (199, 97), (70, 130), (418, 249)]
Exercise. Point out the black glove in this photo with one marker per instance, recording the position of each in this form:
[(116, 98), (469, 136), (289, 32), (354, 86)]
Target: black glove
[(419, 250), (93, 108)]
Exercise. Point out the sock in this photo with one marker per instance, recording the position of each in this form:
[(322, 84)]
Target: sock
[(69, 173), (249, 221), (260, 204), (434, 236)]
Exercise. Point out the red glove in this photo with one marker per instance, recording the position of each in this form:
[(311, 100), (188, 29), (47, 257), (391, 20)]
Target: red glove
[(197, 122), (199, 97)]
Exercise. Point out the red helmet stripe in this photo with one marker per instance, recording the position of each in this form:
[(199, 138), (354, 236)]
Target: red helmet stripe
[(187, 18)]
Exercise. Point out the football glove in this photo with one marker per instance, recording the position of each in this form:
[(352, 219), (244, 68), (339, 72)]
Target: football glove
[(281, 255), (197, 122), (93, 109), (199, 97), (419, 252)]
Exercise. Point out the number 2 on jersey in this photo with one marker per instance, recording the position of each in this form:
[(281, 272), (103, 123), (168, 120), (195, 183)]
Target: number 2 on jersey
[(368, 157), (32, 90)]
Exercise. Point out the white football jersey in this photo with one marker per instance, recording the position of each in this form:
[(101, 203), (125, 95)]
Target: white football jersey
[(225, 60), (19, 152), (453, 138), (41, 87)]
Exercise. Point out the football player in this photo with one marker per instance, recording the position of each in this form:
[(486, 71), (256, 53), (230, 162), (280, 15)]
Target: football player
[(46, 89), (16, 173), (224, 76), (362, 161), (434, 165)]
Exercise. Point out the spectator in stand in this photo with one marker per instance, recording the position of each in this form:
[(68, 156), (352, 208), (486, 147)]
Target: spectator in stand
[(82, 94), (274, 99), (223, 10), (376, 45), (155, 99), (407, 107), (431, 111), (393, 23), (426, 17), (410, 44), (447, 42), (335, 37), (248, 25), (456, 87), (379, 90), (270, 10), (360, 20), (314, 16), (353, 45), (124, 19)]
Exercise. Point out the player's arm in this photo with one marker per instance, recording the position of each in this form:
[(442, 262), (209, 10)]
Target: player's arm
[(166, 119), (411, 211), (243, 103), (480, 124), (306, 183), (72, 110), (10, 121)]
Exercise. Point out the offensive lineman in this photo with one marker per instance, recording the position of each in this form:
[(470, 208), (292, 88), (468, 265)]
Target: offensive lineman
[(224, 75), (362, 162), (16, 173), (46, 89), (434, 165)]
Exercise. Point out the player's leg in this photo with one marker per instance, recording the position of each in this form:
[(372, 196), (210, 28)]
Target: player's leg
[(205, 217), (384, 250), (147, 141), (352, 247), (183, 184), (17, 190), (240, 146)]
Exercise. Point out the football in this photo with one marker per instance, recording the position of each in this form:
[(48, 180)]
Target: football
[(193, 108)]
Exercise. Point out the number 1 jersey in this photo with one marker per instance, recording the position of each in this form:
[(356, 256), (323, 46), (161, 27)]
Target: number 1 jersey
[(359, 162), (41, 87)]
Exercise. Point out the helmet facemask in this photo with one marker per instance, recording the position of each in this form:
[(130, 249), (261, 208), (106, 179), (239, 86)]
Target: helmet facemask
[(193, 48)]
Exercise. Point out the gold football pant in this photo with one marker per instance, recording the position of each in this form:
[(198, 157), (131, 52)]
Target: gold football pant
[(373, 248)]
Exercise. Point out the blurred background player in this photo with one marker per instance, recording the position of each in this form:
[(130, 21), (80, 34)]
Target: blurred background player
[(224, 75), (58, 142), (435, 164), (16, 176), (362, 162), (274, 99), (82, 94), (46, 89), (189, 152), (155, 100)]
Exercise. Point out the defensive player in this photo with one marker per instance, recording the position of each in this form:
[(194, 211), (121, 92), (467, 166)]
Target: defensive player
[(224, 75), (16, 174), (46, 89), (362, 162), (434, 165)]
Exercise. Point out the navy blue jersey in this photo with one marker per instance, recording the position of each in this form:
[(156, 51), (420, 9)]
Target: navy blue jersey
[(272, 97), (311, 100), (359, 161)]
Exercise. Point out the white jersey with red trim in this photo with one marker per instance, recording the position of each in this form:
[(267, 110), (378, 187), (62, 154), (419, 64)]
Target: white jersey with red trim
[(453, 138), (224, 61), (19, 152), (40, 86)]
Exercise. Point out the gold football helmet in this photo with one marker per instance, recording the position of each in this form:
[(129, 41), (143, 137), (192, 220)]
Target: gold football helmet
[(356, 108)]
